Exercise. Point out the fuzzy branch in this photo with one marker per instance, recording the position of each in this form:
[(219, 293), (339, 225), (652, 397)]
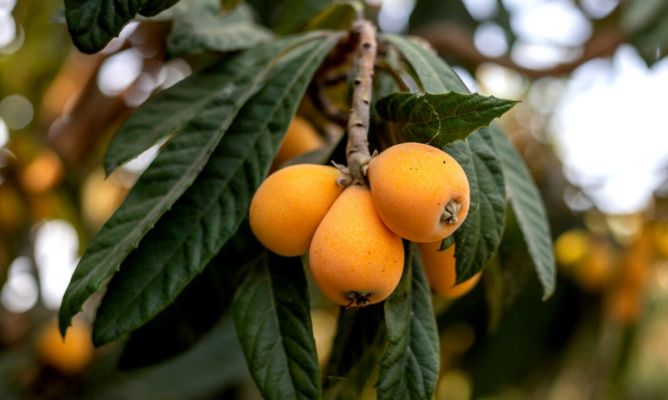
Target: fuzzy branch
[(357, 148)]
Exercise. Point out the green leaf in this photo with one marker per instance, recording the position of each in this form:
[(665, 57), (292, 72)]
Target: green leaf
[(172, 172), (434, 75), (411, 361), (213, 208), (529, 209), (439, 119), (292, 15), (358, 343), (202, 27), (337, 16), (93, 23), (272, 316), (195, 311), (479, 236), (214, 363), (154, 7)]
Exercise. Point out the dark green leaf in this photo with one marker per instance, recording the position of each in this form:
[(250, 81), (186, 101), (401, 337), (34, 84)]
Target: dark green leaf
[(195, 311), (338, 16), (411, 361), (172, 172), (529, 209), (478, 237), (358, 343), (215, 362), (272, 316), (434, 75), (292, 15), (93, 23), (446, 243), (202, 27), (439, 119), (154, 7), (212, 209)]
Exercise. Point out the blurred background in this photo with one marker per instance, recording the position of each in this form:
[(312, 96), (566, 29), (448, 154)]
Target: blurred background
[(592, 77)]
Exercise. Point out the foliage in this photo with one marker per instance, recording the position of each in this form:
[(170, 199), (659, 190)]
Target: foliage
[(219, 131)]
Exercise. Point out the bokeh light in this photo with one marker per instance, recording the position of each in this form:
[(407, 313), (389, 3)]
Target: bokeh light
[(490, 39), (4, 133), (119, 71), (17, 111), (56, 247), (20, 292)]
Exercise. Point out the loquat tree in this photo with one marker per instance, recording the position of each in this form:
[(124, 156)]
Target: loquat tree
[(224, 222)]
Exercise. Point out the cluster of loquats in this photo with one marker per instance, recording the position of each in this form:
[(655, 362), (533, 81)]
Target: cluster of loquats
[(353, 235)]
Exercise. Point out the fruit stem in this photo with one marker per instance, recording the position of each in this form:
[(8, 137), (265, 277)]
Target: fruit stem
[(357, 148)]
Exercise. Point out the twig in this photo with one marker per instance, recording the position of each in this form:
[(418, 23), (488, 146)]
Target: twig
[(357, 148)]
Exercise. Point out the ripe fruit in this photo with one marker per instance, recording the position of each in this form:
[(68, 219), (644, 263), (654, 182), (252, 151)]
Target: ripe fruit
[(571, 247), (354, 259), (289, 205), (70, 355), (440, 269), (421, 193), (300, 138), (597, 269)]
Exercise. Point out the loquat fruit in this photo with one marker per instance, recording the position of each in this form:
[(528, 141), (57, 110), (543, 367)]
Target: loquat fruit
[(441, 272), (299, 139), (289, 205), (354, 259), (421, 193), (69, 355)]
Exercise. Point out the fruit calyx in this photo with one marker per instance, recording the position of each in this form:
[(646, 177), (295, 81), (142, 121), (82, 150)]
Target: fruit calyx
[(358, 299), (450, 213)]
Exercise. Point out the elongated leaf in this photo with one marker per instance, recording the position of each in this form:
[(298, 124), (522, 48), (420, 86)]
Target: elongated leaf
[(411, 361), (215, 362), (529, 209), (194, 312), (434, 74), (479, 236), (212, 209), (203, 27), (164, 115), (440, 118), (358, 343), (154, 7), (93, 23), (271, 313), (172, 172)]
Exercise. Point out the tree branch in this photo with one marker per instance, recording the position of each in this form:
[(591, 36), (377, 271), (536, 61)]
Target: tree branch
[(357, 148), (456, 43)]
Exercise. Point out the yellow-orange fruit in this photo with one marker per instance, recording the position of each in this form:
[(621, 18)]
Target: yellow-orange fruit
[(597, 270), (420, 192), (354, 259), (288, 206), (300, 138), (69, 355), (440, 269)]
